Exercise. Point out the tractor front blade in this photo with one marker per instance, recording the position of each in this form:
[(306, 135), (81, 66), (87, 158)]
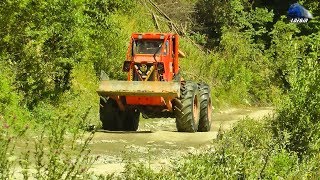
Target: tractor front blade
[(139, 88)]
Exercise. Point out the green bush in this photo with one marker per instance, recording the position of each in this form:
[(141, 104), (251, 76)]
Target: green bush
[(248, 151), (11, 108), (240, 153), (53, 149), (44, 40), (299, 113)]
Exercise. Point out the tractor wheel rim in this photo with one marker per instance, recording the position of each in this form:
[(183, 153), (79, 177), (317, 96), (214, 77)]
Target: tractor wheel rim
[(209, 111), (196, 110)]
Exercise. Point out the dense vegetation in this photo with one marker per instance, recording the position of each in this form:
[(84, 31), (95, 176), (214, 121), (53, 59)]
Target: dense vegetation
[(52, 52)]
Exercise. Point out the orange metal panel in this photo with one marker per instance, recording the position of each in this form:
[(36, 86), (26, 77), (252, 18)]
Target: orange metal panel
[(176, 56), (146, 58), (143, 100), (151, 35)]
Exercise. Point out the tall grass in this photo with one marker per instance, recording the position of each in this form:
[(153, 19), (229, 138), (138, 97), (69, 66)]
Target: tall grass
[(54, 153), (248, 151)]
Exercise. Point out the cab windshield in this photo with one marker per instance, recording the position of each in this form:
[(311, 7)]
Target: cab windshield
[(147, 46)]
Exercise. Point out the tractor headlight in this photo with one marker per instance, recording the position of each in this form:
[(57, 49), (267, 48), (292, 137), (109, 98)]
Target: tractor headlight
[(160, 67), (126, 66)]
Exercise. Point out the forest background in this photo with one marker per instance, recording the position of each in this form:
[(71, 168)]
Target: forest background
[(52, 53)]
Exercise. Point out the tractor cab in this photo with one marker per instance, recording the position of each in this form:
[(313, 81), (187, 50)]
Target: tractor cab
[(152, 57)]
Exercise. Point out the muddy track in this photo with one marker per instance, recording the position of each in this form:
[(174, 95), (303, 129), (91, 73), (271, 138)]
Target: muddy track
[(157, 141)]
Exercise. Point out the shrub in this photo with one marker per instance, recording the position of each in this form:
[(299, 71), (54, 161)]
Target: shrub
[(9, 135), (57, 152), (299, 113), (248, 151)]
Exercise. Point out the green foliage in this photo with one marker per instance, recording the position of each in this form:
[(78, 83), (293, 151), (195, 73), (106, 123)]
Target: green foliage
[(59, 151), (76, 107), (59, 155), (191, 64), (248, 151), (7, 98), (142, 171), (43, 47), (211, 16), (240, 153), (239, 73), (238, 69), (10, 108), (299, 112), (9, 135), (282, 50)]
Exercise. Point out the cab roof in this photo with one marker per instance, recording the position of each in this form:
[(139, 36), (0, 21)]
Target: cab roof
[(153, 35)]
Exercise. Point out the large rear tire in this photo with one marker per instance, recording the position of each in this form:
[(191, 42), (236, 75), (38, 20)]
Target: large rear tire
[(109, 114), (113, 119), (205, 108), (132, 120), (186, 108)]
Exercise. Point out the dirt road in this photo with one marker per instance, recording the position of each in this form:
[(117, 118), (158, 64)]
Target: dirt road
[(157, 141)]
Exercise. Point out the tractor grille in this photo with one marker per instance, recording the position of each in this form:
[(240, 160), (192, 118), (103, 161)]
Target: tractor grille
[(144, 72)]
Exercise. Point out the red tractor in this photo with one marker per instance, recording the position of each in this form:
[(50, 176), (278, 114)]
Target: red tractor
[(155, 88)]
